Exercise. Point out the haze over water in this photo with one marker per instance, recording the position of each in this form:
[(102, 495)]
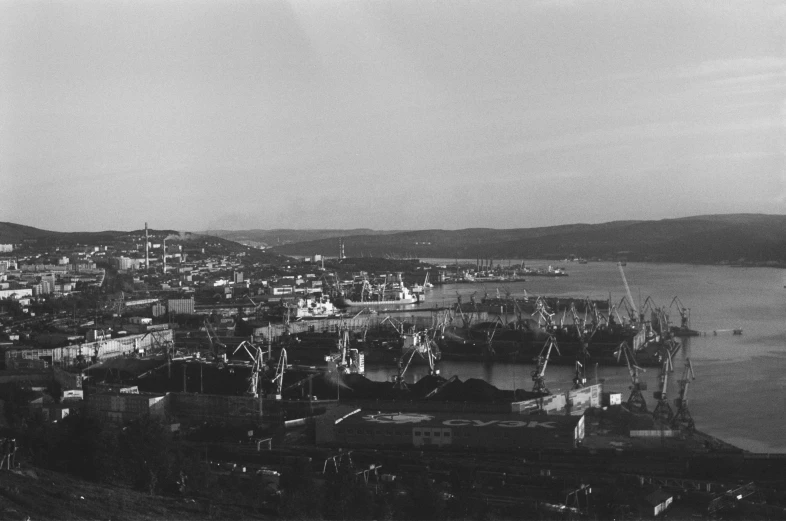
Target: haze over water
[(739, 394)]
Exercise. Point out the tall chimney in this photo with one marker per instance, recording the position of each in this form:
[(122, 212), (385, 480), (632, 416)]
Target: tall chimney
[(164, 255), (147, 257)]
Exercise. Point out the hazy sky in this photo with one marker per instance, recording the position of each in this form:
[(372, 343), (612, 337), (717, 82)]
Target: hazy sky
[(388, 114)]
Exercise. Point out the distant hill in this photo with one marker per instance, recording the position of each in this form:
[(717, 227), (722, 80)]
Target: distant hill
[(745, 238), (280, 237), (39, 240), (754, 238), (17, 233)]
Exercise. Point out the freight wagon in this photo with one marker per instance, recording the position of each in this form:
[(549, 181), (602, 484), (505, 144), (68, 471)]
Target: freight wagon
[(348, 427)]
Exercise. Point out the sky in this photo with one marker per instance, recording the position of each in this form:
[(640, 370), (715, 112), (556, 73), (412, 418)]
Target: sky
[(388, 114)]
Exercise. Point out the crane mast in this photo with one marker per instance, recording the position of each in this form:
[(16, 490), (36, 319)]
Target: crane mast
[(278, 379), (539, 374), (663, 410), (683, 419), (683, 311), (636, 402)]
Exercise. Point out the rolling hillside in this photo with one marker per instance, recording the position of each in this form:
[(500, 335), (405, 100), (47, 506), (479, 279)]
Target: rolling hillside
[(746, 238), (701, 239), (279, 237), (35, 239)]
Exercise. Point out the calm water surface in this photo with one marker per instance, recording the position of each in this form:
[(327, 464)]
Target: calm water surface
[(739, 394)]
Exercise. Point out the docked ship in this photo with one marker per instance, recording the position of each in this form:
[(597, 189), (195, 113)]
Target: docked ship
[(365, 293)]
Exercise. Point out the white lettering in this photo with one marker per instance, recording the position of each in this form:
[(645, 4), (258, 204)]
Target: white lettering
[(545, 425), (456, 423), (501, 423), (512, 424)]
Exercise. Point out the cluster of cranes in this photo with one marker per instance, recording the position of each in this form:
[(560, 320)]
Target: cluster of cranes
[(423, 344)]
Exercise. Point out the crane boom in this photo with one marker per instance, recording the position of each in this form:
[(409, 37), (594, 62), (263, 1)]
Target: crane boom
[(539, 374), (636, 402), (627, 289)]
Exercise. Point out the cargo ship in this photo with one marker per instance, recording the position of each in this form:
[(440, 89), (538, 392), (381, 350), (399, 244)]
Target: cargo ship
[(363, 293)]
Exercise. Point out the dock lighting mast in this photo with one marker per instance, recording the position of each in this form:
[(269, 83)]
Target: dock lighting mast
[(683, 419), (636, 402)]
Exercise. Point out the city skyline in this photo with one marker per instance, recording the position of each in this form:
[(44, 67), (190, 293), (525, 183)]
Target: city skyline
[(389, 115)]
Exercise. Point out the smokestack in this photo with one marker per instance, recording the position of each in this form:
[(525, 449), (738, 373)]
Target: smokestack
[(164, 255), (147, 257)]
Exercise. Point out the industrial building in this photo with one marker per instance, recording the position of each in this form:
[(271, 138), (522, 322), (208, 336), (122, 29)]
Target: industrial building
[(67, 356), (181, 306), (349, 427)]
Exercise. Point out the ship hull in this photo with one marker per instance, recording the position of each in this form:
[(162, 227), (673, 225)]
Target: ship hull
[(345, 302)]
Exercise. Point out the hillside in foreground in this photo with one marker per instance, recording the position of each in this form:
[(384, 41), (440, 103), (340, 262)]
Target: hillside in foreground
[(38, 494)]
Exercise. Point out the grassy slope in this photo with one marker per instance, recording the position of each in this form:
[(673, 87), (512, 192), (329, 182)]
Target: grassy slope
[(43, 494)]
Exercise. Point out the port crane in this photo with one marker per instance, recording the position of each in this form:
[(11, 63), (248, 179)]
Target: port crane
[(544, 314), (278, 379), (466, 318), (659, 319), (682, 419), (397, 326), (488, 346), (346, 359), (539, 374), (636, 402), (257, 306), (624, 305), (683, 311), (257, 365), (215, 343), (662, 411)]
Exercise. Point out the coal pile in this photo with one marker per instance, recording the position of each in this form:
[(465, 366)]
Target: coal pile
[(472, 390)]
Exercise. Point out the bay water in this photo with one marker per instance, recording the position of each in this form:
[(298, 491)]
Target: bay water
[(739, 394)]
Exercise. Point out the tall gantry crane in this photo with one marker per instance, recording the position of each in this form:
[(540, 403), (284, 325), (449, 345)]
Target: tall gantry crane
[(682, 419), (636, 401), (545, 315), (215, 343), (662, 411), (278, 379), (683, 311), (624, 305), (256, 357), (539, 374)]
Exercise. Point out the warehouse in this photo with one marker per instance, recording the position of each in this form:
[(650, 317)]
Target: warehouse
[(350, 427)]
